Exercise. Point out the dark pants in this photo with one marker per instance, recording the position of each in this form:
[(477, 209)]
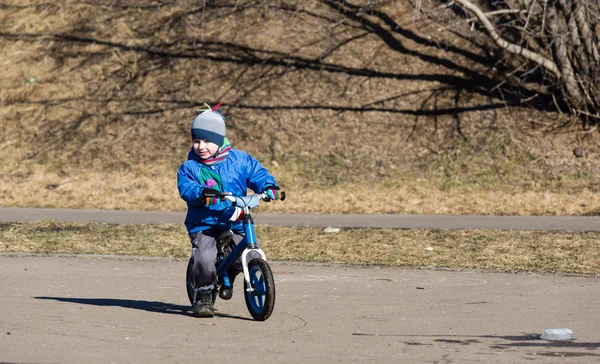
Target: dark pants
[(203, 272)]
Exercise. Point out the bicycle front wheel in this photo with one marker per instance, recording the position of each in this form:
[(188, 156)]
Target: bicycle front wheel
[(261, 300)]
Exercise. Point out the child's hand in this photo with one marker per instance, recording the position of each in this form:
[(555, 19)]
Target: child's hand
[(273, 193), (210, 196)]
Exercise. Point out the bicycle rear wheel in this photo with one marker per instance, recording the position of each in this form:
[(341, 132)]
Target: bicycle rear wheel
[(188, 284), (261, 300)]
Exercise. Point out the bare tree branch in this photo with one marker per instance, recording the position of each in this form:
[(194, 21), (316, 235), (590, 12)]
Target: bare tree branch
[(500, 12), (509, 47)]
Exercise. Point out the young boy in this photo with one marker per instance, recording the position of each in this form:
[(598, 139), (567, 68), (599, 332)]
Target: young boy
[(212, 166)]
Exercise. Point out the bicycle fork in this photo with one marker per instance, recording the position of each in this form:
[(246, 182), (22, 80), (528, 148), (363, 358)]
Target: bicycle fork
[(248, 244), (251, 245)]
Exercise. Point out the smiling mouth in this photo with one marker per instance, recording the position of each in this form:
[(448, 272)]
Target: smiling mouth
[(202, 153)]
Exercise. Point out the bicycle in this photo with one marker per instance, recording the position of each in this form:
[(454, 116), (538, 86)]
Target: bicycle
[(259, 284)]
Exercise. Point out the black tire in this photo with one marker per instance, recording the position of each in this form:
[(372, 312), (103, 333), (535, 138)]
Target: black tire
[(188, 283), (261, 300), (214, 294), (190, 288)]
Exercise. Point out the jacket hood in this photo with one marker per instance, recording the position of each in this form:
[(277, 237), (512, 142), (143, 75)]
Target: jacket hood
[(192, 155)]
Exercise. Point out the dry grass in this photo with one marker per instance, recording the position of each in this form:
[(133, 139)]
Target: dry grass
[(156, 190), (493, 250), (48, 237)]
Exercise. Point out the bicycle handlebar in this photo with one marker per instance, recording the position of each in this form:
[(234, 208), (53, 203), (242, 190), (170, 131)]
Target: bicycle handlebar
[(243, 201)]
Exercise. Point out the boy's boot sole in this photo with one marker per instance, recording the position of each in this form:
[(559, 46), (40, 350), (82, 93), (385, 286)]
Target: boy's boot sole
[(203, 306), (203, 310)]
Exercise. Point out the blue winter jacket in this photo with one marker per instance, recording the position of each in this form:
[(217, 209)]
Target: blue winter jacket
[(238, 172)]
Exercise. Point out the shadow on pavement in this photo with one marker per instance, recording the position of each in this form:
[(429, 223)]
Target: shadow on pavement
[(224, 315), (525, 341), (151, 306)]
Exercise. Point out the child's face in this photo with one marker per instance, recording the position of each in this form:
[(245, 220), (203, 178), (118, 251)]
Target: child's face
[(204, 149)]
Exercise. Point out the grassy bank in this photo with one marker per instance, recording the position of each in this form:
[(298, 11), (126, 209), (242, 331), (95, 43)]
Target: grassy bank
[(351, 110), (476, 249), (156, 190)]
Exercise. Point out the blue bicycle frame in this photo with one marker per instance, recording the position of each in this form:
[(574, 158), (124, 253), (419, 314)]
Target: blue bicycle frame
[(247, 244)]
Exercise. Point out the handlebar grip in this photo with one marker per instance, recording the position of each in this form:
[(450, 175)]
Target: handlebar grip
[(214, 198), (273, 194)]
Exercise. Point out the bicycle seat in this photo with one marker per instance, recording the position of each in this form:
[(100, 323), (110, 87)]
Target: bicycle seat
[(222, 235)]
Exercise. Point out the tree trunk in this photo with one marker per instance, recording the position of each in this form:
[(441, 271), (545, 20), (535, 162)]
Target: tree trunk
[(559, 46)]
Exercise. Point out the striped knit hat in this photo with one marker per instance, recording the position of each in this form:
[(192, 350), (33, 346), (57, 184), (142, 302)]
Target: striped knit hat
[(209, 126)]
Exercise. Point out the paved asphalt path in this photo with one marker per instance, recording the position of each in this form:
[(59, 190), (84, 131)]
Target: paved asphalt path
[(88, 309), (95, 309), (549, 223)]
